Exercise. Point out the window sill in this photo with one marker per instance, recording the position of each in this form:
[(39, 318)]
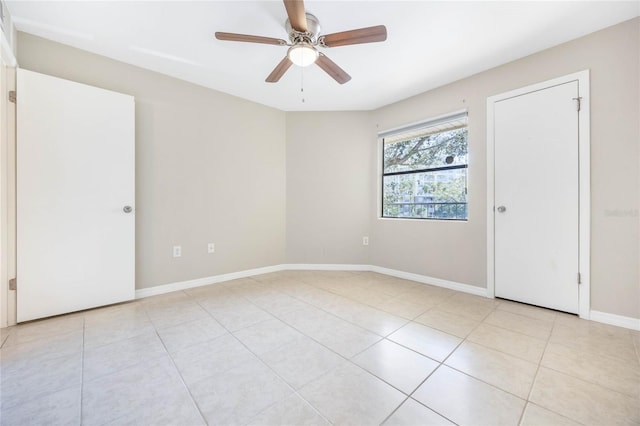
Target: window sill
[(424, 219)]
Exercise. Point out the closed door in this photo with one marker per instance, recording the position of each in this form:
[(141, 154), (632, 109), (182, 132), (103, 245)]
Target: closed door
[(75, 196), (536, 217)]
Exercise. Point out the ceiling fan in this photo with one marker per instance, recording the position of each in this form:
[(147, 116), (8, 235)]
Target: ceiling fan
[(305, 39)]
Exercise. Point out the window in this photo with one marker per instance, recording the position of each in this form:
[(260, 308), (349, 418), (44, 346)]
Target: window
[(425, 170)]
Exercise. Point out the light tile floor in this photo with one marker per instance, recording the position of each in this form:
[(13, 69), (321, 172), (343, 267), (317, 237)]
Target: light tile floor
[(307, 348)]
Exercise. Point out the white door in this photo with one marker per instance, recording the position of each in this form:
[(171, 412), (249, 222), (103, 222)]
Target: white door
[(536, 197), (75, 175)]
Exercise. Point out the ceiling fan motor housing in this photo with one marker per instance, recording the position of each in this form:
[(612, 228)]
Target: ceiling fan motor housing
[(311, 36)]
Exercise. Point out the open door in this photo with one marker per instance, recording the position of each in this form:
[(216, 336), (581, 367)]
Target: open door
[(75, 196)]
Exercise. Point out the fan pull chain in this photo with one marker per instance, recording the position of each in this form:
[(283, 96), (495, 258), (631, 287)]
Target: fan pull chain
[(302, 83)]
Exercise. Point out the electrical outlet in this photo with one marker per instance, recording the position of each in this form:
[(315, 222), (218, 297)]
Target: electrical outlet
[(365, 241), (211, 248), (177, 251)]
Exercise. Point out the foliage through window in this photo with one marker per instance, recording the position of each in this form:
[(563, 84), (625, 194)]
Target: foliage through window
[(425, 170)]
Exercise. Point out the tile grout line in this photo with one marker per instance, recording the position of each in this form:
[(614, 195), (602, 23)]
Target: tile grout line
[(311, 338), (535, 377), (394, 410), (350, 360), (418, 387), (155, 330), (607, 355), (506, 353), (4, 340), (582, 379), (462, 372), (526, 400), (384, 337), (229, 332), (295, 392), (462, 340), (375, 307), (519, 332), (513, 331), (194, 300), (391, 298), (253, 353), (347, 321), (329, 313), (82, 371), (555, 324), (440, 364), (590, 381), (193, 400), (499, 351)]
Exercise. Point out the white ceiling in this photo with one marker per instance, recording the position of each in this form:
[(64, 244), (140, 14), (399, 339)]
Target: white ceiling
[(429, 43)]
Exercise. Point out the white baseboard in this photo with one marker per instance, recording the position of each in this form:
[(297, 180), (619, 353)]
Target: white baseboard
[(603, 317), (183, 285), (438, 282), (325, 267), (617, 320)]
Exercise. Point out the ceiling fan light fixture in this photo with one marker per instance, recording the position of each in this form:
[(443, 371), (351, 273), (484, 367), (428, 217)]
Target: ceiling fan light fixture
[(302, 54)]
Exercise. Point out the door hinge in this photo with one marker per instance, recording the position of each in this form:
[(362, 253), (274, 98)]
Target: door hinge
[(13, 284), (13, 97), (578, 102), (579, 278)]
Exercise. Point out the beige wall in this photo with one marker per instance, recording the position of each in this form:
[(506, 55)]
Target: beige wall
[(457, 251), (328, 187), (209, 167)]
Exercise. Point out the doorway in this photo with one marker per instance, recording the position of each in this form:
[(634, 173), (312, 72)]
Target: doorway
[(538, 194)]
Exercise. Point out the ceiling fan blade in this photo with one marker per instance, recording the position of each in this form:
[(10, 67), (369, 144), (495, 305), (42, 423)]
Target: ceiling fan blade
[(249, 38), (279, 70), (362, 35), (296, 13), (330, 67)]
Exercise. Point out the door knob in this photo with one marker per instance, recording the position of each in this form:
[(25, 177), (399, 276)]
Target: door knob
[(127, 209), (502, 209)]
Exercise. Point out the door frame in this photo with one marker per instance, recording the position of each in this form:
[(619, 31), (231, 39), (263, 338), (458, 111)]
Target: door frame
[(584, 180), (7, 182)]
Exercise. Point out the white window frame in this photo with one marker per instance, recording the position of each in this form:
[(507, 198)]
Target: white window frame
[(407, 128)]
